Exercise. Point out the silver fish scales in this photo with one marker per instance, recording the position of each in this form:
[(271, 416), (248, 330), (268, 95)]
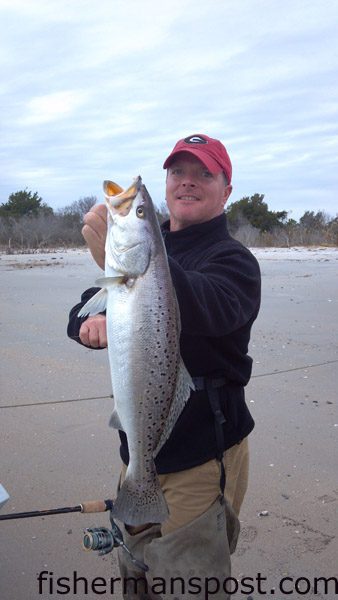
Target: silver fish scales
[(150, 382)]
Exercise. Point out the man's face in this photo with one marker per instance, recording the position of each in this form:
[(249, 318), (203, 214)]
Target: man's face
[(193, 194)]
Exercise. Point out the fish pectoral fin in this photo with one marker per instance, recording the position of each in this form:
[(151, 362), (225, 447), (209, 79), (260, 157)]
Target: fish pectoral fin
[(115, 421), (96, 304), (184, 385), (104, 282)]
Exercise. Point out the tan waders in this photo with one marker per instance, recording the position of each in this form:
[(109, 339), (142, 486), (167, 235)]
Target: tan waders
[(189, 556), (191, 562), (134, 580)]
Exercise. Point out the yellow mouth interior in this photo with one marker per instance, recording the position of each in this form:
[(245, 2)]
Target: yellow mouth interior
[(120, 200), (112, 188)]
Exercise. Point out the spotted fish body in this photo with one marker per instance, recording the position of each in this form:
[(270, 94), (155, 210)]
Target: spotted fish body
[(150, 382)]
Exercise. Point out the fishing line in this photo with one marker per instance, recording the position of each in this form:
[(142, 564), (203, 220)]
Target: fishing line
[(56, 402), (312, 366), (328, 362)]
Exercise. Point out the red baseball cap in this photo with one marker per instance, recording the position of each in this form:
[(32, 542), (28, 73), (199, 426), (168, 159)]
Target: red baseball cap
[(209, 151)]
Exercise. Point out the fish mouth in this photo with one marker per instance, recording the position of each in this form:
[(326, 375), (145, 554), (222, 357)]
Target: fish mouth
[(119, 200)]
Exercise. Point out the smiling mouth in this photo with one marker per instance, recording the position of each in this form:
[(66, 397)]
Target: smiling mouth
[(189, 198)]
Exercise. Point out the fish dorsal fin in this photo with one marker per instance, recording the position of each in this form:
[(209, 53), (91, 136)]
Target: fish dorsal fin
[(184, 386)]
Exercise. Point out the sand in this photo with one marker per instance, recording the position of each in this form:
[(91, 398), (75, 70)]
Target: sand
[(57, 450)]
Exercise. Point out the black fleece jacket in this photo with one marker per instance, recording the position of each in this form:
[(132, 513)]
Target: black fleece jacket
[(217, 282)]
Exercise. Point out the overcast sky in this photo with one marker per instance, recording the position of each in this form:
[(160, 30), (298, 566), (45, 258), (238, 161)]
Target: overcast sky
[(102, 89)]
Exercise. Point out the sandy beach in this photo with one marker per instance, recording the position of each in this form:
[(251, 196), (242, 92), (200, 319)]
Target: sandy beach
[(56, 448)]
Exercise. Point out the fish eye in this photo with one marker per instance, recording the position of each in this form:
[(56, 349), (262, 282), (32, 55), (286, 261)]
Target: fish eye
[(140, 212)]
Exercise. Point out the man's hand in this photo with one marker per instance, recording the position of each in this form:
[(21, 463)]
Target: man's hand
[(94, 232), (93, 332)]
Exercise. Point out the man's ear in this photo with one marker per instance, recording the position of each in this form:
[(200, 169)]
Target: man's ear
[(227, 192)]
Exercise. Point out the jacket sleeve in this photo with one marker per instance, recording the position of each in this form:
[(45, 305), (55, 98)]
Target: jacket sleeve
[(221, 295), (75, 322)]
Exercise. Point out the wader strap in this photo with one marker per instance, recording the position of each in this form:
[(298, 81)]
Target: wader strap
[(212, 388)]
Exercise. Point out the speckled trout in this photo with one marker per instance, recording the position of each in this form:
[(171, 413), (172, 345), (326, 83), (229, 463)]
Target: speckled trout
[(150, 382)]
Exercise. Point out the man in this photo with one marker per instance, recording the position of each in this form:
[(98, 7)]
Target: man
[(217, 283)]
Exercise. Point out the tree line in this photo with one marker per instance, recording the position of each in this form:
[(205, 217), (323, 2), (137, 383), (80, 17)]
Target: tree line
[(251, 221), (28, 223)]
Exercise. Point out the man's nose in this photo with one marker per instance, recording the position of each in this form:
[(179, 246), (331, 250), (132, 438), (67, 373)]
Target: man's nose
[(188, 181)]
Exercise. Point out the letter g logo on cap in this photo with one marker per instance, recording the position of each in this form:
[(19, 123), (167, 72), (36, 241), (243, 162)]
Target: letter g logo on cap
[(195, 139)]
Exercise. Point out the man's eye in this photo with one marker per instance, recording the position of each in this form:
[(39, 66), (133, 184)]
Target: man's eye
[(206, 174), (176, 171)]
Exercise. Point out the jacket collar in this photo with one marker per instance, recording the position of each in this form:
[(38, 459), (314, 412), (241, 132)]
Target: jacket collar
[(217, 227)]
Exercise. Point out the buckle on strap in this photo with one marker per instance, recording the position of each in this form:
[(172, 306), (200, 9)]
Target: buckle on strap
[(204, 383), (211, 386), (215, 404)]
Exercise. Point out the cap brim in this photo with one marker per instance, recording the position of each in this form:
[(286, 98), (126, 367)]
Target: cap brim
[(212, 165)]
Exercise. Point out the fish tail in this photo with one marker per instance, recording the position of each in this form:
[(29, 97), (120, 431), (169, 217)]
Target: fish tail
[(139, 503)]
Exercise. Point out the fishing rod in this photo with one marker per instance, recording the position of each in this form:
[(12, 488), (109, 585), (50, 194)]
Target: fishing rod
[(99, 539), (93, 506)]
